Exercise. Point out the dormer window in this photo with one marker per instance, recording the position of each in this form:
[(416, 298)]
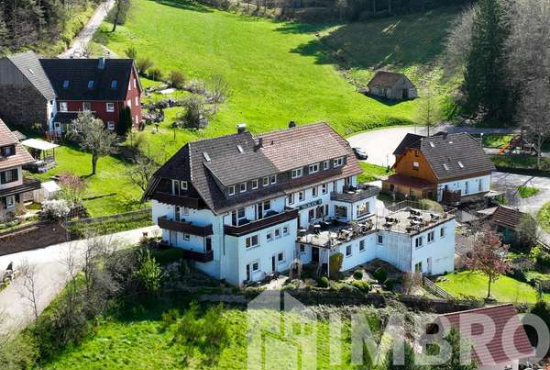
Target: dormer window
[(338, 162), (273, 179), (314, 168), (445, 166), (179, 187), (114, 84), (461, 165), (266, 181), (298, 172), (416, 165), (7, 151), (326, 165), (63, 106), (254, 184), (242, 187), (90, 84), (66, 84), (231, 190)]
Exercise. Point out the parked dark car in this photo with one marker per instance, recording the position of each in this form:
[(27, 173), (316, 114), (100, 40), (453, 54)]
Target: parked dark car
[(360, 153)]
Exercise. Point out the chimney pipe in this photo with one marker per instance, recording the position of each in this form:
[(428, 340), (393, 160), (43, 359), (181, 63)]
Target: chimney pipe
[(260, 144), (241, 128), (291, 124)]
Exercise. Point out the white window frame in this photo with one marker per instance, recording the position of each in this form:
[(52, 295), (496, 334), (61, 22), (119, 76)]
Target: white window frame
[(419, 242), (265, 181), (350, 250), (255, 184), (277, 233), (135, 83), (242, 187), (281, 260), (314, 191), (186, 237), (286, 230), (248, 243), (416, 165), (111, 125), (110, 107), (273, 179), (297, 172), (379, 239), (63, 106), (442, 232), (326, 165), (339, 162), (324, 188), (301, 195), (291, 198), (129, 103), (269, 236), (431, 236), (10, 202), (184, 185), (257, 263), (86, 106), (231, 190), (362, 246), (314, 168), (137, 101)]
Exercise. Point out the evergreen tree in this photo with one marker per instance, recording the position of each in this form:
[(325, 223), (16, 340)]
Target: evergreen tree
[(406, 363), (4, 34), (453, 338), (484, 79), (124, 122)]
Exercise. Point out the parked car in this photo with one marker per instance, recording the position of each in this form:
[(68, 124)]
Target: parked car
[(360, 153)]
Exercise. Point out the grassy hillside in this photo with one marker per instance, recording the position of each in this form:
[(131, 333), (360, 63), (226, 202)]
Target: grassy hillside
[(279, 71)]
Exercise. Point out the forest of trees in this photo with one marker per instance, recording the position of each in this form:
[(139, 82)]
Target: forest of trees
[(28, 23)]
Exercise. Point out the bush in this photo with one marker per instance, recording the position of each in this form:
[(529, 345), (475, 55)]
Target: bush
[(363, 286), (131, 52), (542, 257), (358, 275), (323, 282), (155, 74), (431, 205), (335, 264), (149, 273), (380, 274), (55, 209), (176, 79), (389, 284), (143, 64)]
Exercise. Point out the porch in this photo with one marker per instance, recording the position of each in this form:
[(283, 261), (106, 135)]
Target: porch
[(43, 153)]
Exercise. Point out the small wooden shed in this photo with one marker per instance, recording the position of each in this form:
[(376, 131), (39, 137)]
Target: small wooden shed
[(392, 86)]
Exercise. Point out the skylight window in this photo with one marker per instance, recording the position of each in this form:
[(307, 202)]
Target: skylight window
[(461, 164), (114, 84), (445, 166), (432, 144), (241, 150), (90, 84), (66, 84), (206, 156), (31, 71)]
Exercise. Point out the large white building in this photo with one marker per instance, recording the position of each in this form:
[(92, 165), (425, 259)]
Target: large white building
[(243, 207)]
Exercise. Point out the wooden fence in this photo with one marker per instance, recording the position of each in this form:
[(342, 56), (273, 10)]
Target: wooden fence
[(437, 290)]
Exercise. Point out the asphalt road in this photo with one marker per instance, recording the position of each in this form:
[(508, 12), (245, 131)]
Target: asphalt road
[(51, 270)]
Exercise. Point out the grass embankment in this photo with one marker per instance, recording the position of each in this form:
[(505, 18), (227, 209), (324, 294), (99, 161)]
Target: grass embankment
[(110, 179), (544, 217), (278, 71), (372, 172), (505, 289), (527, 191)]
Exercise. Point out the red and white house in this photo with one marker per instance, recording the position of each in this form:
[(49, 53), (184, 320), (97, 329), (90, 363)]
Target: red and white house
[(102, 86)]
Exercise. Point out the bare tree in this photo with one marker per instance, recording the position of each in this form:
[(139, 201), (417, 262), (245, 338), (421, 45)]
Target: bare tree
[(91, 135), (428, 111), (120, 10), (459, 40), (218, 89), (29, 290), (534, 114), (142, 170)]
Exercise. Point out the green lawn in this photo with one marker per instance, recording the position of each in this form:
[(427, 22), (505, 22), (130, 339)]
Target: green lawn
[(277, 71), (110, 178), (474, 284), (527, 191), (372, 172), (544, 217)]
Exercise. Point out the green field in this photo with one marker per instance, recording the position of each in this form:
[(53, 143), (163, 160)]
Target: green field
[(474, 284), (110, 178), (279, 71)]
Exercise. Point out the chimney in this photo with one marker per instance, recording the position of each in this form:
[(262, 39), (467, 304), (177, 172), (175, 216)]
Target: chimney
[(260, 144), (291, 124), (101, 63), (241, 128)]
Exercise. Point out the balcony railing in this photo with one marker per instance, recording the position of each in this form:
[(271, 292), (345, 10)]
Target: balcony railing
[(198, 256), (287, 215), (27, 186), (355, 194), (176, 200), (184, 227)]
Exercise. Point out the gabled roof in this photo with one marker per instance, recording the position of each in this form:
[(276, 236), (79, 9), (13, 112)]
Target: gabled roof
[(29, 65), (21, 156), (507, 217), (79, 72), (386, 79), (509, 335), (208, 163), (449, 156)]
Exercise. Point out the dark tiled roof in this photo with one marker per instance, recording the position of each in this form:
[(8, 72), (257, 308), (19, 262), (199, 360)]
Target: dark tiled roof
[(450, 156), (229, 166), (410, 141), (65, 117), (507, 217), (385, 79), (78, 73), (30, 67), (21, 156), (493, 349)]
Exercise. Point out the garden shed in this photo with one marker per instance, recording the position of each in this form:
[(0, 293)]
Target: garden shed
[(392, 86)]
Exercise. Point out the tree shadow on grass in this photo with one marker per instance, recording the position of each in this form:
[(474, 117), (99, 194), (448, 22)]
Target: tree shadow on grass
[(186, 5), (399, 42)]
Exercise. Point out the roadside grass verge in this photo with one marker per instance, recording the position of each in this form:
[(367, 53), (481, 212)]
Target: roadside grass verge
[(496, 141), (474, 284), (527, 191)]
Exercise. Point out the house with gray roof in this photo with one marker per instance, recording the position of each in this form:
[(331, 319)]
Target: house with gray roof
[(245, 207), (449, 168), (392, 86)]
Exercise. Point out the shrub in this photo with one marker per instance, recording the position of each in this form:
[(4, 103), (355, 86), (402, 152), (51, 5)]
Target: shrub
[(155, 74), (125, 122), (149, 272), (335, 264), (131, 52), (176, 79), (358, 275), (380, 274), (541, 256), (363, 286), (323, 282), (55, 209), (389, 284), (143, 64), (431, 205)]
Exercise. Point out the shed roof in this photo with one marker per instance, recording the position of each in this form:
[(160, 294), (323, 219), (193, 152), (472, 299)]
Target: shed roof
[(29, 65), (386, 79), (507, 217), (39, 144)]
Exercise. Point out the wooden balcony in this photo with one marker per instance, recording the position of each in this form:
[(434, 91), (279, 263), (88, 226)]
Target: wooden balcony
[(184, 227), (198, 256), (287, 215), (27, 186), (177, 200), (355, 194)]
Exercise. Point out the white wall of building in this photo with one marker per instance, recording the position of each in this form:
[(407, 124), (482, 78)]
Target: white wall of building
[(15, 183), (437, 257), (471, 186)]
